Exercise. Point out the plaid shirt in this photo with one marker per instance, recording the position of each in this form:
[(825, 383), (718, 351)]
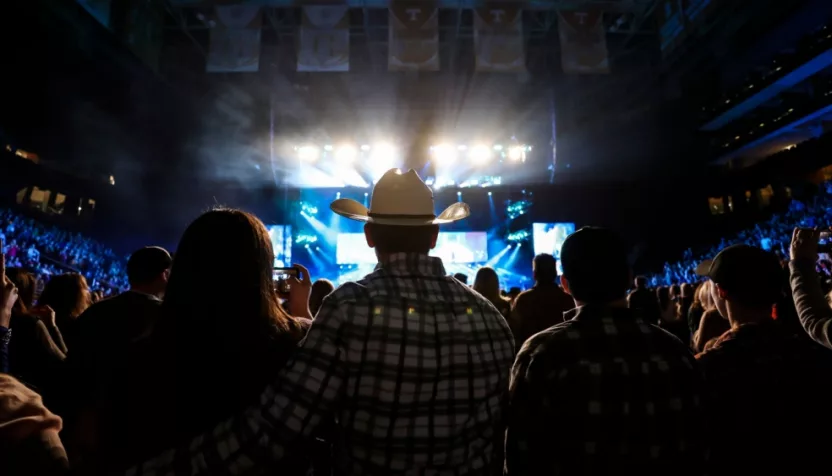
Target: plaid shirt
[(605, 393), (768, 393), (412, 364)]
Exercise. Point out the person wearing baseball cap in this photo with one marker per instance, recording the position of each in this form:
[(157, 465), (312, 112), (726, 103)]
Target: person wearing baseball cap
[(605, 392), (759, 374)]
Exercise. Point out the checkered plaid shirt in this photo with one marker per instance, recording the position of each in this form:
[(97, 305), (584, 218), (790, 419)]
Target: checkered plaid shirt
[(412, 364), (605, 393)]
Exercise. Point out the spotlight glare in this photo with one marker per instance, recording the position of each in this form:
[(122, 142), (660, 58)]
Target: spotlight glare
[(480, 154), (328, 148), (444, 154), (346, 154), (517, 153), (308, 153), (365, 147)]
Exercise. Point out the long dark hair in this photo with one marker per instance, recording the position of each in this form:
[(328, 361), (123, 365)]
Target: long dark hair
[(67, 294), (26, 283), (221, 320)]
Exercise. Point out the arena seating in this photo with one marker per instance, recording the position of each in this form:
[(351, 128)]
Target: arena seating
[(48, 250)]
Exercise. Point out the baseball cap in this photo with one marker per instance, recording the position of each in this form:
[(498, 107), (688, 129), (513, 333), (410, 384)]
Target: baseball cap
[(147, 263), (748, 273)]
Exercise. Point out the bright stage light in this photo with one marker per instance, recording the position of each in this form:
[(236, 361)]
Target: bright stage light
[(346, 154), (517, 153), (382, 159), (308, 153), (365, 147), (480, 154), (444, 154)]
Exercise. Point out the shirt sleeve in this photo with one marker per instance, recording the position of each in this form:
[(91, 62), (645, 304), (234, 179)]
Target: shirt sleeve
[(812, 309), (290, 411), (527, 411)]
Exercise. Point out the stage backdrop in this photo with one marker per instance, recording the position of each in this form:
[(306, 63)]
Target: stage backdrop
[(413, 36), (583, 42), (498, 37), (235, 39), (324, 39)]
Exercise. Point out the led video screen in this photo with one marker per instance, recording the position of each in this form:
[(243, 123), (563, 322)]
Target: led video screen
[(452, 247), (281, 238), (549, 237)]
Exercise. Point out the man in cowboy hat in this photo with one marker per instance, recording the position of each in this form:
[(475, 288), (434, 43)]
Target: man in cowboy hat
[(411, 364)]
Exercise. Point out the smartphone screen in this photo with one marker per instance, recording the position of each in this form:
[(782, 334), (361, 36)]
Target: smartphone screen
[(280, 277)]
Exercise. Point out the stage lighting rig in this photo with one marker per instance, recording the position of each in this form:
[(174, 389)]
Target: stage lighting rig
[(480, 154), (517, 153), (346, 154), (308, 153), (444, 154)]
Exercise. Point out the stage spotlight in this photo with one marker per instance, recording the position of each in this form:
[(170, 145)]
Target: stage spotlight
[(345, 154), (308, 153), (489, 194), (517, 153), (365, 147), (338, 195), (498, 147), (366, 194), (480, 154), (462, 147), (444, 154), (328, 148)]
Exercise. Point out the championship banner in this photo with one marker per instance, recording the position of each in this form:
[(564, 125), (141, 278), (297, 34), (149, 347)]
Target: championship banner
[(583, 42), (498, 38), (143, 32), (414, 36), (235, 40), (324, 39)]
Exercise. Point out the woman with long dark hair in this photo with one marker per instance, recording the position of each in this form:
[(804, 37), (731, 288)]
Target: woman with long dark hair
[(34, 355), (487, 283), (222, 335), (69, 296)]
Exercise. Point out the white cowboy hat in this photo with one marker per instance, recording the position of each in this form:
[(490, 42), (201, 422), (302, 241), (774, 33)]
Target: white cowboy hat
[(400, 199)]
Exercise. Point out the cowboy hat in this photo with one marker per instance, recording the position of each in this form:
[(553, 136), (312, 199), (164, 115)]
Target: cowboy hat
[(400, 199)]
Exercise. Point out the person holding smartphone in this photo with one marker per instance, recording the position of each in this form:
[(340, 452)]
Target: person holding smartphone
[(812, 308)]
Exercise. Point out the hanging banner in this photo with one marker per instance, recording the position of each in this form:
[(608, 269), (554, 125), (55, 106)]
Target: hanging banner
[(99, 9), (324, 39), (583, 42), (235, 40), (414, 36), (143, 32), (498, 38)]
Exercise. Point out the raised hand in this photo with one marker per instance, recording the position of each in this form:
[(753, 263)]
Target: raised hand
[(8, 294)]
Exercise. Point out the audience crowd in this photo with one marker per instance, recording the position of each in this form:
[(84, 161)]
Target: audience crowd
[(773, 235), (28, 243), (207, 366)]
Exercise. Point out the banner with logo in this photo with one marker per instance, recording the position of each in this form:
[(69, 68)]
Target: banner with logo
[(414, 36), (143, 31), (324, 39), (583, 42), (235, 39), (99, 9), (498, 38)]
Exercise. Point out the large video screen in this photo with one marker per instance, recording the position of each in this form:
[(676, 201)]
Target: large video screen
[(549, 237), (452, 247), (281, 238)]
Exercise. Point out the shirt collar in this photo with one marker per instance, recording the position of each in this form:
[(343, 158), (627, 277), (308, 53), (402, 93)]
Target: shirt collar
[(150, 296), (412, 263)]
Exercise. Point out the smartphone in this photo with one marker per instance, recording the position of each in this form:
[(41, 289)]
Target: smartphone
[(825, 242), (280, 276)]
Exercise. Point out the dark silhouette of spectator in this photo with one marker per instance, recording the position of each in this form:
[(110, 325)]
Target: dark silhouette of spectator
[(543, 305)]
